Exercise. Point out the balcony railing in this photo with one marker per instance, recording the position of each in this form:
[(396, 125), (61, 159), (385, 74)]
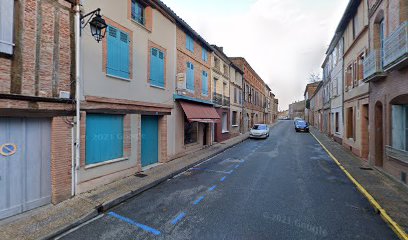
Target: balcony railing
[(226, 101), (396, 46), (217, 99), (373, 65)]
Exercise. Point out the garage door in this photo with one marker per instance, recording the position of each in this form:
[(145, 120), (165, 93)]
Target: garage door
[(25, 157)]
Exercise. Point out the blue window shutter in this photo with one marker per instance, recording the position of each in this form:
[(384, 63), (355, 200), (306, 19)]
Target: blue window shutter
[(161, 68), (204, 83), (6, 26), (118, 56), (154, 67), (190, 76), (104, 138)]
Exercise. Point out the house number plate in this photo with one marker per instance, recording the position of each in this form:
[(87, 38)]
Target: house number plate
[(8, 149)]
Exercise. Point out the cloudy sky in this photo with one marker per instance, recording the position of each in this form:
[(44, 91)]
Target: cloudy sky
[(283, 40)]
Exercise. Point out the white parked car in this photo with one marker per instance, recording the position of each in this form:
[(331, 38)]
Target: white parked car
[(259, 131)]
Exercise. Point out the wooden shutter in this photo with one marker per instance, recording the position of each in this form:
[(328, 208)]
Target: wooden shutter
[(190, 76), (205, 83), (6, 26), (156, 67), (118, 57)]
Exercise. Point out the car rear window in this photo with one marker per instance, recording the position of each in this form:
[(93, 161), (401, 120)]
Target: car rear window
[(259, 127)]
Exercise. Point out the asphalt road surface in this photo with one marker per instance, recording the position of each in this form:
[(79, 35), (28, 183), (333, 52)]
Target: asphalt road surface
[(285, 187)]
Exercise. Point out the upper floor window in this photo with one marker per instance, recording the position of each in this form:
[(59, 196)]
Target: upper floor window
[(189, 43), (400, 127), (190, 76), (204, 55), (6, 26), (225, 68), (217, 63), (138, 12), (118, 53), (204, 87), (157, 67)]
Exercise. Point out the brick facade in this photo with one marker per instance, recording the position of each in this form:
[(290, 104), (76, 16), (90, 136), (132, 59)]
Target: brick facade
[(31, 79)]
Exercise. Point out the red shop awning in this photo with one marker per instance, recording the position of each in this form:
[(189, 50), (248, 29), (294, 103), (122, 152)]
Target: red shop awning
[(199, 113)]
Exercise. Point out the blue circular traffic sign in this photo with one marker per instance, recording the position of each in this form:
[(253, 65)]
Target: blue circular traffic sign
[(8, 149)]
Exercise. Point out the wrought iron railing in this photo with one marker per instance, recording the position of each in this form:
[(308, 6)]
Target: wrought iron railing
[(217, 98), (396, 45), (373, 63), (226, 101)]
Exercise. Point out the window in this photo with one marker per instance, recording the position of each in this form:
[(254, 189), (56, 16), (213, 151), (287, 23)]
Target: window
[(204, 79), (234, 118), (190, 131), (6, 26), (217, 63), (224, 89), (204, 55), (336, 122), (400, 127), (190, 76), (138, 12), (189, 43), (240, 97), (118, 53), (104, 138), (235, 94), (156, 67), (225, 68), (350, 123), (224, 122), (215, 86), (360, 66)]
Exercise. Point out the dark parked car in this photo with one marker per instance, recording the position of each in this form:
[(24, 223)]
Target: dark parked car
[(301, 125)]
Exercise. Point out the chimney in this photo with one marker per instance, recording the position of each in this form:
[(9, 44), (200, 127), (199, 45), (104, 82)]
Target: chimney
[(221, 49)]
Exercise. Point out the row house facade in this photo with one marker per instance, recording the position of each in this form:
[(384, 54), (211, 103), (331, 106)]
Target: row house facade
[(308, 94), (149, 93), (386, 71), (236, 100), (254, 94), (127, 92), (36, 106), (333, 95), (220, 76), (356, 120), (375, 45)]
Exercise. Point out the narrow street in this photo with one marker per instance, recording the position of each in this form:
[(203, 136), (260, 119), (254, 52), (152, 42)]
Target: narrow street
[(285, 187)]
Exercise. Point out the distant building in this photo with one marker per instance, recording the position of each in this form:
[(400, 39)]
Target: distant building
[(297, 109), (309, 92)]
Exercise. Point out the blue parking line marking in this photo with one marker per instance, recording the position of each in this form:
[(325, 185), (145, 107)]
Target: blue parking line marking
[(131, 222), (178, 218), (223, 178), (198, 200), (209, 170), (212, 188)]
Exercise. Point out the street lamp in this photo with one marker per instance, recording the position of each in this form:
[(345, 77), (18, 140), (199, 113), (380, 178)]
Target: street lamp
[(97, 24)]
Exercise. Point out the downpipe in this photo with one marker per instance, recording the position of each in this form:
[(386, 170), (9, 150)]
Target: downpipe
[(77, 143)]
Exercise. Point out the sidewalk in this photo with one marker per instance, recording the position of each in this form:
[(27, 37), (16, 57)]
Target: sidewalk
[(52, 220), (391, 195)]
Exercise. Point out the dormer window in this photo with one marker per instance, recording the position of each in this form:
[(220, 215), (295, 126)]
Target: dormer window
[(138, 12)]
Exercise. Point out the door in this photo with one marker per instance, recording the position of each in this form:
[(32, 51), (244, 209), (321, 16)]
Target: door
[(25, 159), (150, 140)]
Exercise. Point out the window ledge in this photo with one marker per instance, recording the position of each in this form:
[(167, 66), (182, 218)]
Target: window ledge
[(225, 132), (120, 78), (235, 125), (140, 25), (158, 87), (397, 154), (105, 163)]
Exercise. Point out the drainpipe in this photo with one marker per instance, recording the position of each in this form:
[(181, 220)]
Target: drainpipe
[(77, 97)]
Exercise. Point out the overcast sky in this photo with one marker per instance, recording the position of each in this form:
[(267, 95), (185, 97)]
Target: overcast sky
[(283, 40)]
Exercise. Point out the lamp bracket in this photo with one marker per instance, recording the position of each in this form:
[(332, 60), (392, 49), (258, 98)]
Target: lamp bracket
[(89, 16)]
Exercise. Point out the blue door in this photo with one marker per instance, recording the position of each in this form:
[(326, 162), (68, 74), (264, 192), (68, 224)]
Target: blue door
[(150, 140)]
